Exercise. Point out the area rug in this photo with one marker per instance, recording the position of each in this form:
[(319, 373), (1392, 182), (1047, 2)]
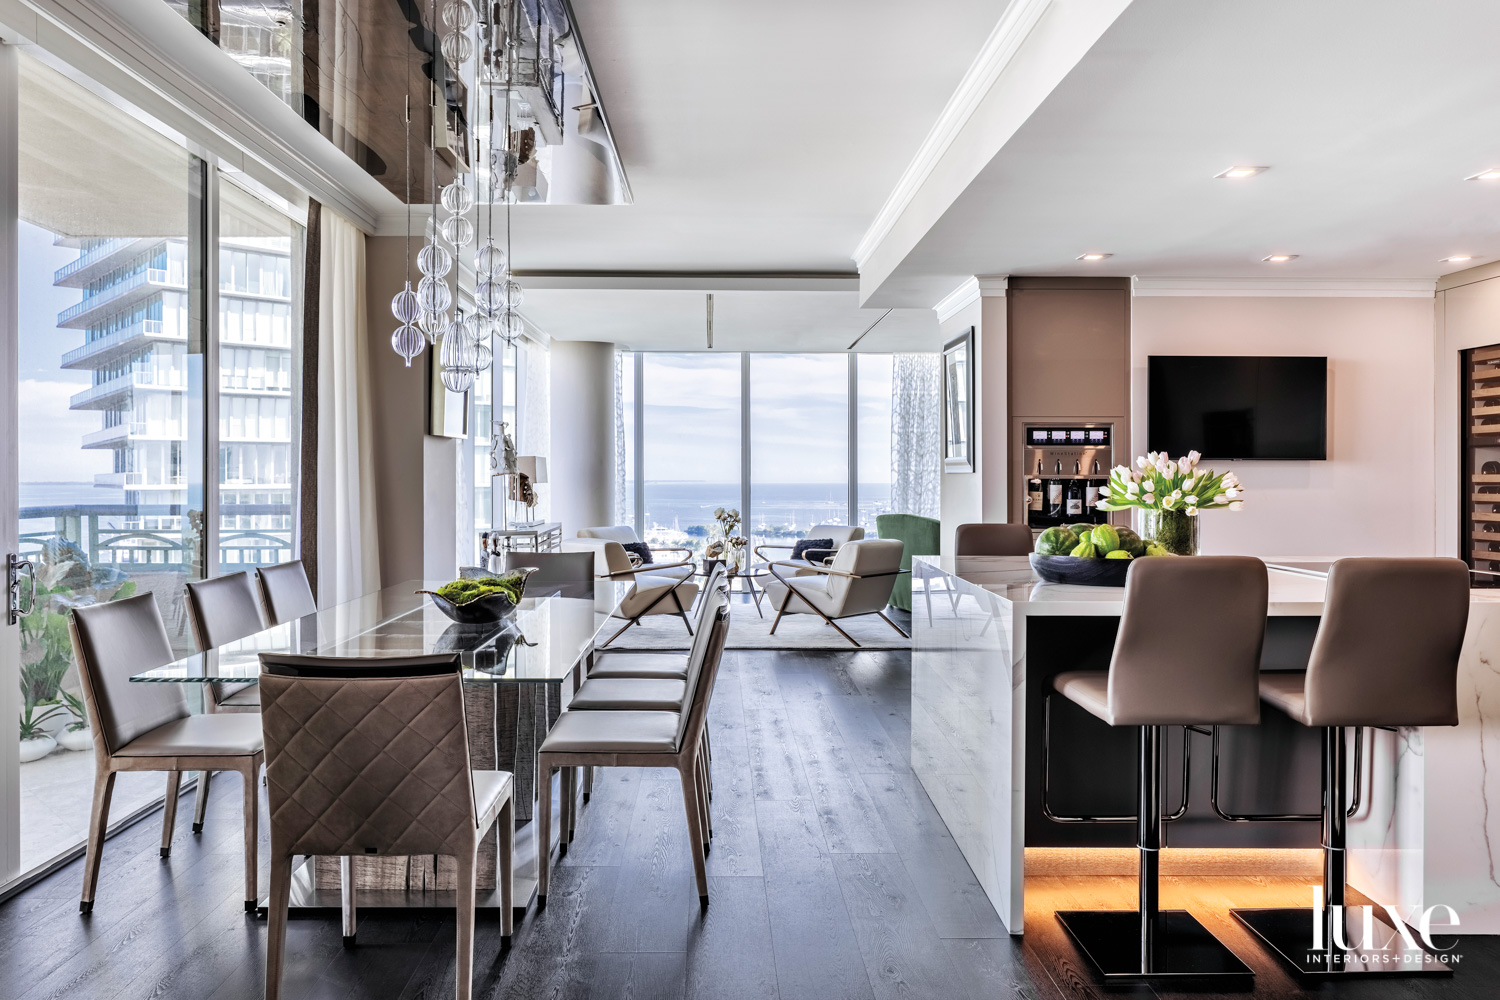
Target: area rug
[(747, 631)]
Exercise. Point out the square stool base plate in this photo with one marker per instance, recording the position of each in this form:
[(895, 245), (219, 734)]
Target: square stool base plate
[(1183, 950), (1289, 933)]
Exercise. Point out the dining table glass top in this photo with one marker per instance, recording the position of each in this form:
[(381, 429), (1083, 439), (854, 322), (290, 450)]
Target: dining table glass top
[(540, 643)]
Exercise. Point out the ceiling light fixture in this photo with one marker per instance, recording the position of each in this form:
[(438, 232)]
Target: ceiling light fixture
[(1492, 174), (1094, 256), (1280, 258), (1235, 173), (1456, 260)]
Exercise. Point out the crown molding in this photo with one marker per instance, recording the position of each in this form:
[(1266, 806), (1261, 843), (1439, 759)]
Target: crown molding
[(1469, 275), (993, 285), (693, 281), (993, 58), (950, 305), (1283, 287)]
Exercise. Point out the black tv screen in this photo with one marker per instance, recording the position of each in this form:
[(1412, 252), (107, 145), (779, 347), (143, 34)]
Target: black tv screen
[(1230, 407)]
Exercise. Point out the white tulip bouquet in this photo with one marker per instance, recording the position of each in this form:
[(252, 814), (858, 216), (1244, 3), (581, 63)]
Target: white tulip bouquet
[(1162, 484), (1171, 493)]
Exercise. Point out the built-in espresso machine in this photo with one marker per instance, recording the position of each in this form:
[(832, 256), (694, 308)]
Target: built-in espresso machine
[(1067, 466)]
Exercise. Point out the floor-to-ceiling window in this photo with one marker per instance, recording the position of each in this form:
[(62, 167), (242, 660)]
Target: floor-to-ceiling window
[(691, 463), (875, 437), (625, 428), (799, 445)]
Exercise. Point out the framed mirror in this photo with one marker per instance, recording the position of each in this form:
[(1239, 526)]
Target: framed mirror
[(958, 403)]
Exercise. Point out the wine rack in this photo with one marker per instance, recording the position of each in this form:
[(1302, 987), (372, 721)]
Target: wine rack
[(1480, 393)]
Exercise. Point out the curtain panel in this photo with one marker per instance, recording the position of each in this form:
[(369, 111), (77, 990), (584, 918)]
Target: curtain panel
[(916, 434), (348, 538)]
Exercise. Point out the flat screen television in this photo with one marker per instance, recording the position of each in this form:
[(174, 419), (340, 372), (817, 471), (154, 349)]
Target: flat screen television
[(1238, 407)]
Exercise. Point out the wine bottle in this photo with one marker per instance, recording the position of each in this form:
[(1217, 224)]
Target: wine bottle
[(1055, 492), (1034, 492), (1074, 493), (1091, 495)]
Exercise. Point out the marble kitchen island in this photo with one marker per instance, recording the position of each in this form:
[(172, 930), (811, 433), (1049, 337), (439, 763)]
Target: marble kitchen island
[(987, 637)]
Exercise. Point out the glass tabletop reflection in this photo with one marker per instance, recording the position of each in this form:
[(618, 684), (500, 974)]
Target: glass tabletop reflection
[(541, 643)]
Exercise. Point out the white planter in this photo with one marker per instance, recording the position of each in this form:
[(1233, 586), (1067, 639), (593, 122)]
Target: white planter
[(58, 722), (76, 739), (37, 749)]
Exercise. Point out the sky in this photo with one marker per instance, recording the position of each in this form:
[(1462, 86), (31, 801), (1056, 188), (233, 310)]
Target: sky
[(799, 421), (50, 432)]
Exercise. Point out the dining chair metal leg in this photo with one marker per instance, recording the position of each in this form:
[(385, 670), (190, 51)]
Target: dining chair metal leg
[(588, 782), (464, 956), (280, 899), (543, 828), (347, 902), (104, 788), (507, 824), (201, 808), (250, 778), (695, 829), (169, 812)]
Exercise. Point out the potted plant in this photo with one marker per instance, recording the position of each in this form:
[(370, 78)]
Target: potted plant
[(1170, 493)]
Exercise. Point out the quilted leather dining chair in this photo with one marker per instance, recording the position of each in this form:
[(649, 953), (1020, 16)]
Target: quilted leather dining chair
[(285, 592), (223, 610), (371, 757), (147, 727)]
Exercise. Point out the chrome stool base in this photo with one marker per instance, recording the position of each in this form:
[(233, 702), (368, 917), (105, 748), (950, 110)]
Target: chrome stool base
[(1289, 933), (1182, 948)]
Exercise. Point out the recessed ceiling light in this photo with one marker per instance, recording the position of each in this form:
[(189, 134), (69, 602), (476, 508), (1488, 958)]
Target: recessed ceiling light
[(1094, 256), (1456, 260), (1492, 174), (1233, 173), (1280, 258)]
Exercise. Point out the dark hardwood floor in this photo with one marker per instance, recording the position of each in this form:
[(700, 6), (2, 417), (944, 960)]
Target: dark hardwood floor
[(831, 876)]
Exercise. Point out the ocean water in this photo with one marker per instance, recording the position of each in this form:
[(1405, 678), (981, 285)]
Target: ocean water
[(68, 494), (776, 509)]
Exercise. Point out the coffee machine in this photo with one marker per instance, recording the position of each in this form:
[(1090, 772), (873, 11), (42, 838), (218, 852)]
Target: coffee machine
[(1066, 468)]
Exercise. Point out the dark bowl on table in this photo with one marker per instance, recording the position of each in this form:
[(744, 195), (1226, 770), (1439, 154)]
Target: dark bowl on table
[(1083, 572), (482, 610)]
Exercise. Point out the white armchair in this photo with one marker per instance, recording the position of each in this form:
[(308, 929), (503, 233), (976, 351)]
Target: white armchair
[(858, 583), (660, 588), (839, 534)]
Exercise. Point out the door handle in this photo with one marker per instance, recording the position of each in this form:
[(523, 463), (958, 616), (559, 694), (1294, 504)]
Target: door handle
[(15, 566)]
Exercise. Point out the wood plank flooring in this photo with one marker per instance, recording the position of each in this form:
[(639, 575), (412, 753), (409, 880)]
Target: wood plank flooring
[(831, 876)]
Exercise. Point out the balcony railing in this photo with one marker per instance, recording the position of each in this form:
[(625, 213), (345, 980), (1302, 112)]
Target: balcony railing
[(117, 291), (145, 328), (138, 537), (91, 256), (142, 377)]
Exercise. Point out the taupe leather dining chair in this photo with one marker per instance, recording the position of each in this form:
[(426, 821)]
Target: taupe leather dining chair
[(565, 574), (992, 540), (223, 610), (285, 592), (147, 727), (1187, 653), (634, 739), (371, 757), (1386, 655)]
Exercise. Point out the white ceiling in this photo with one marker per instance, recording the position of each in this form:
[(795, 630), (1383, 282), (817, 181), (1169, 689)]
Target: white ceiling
[(782, 321), (757, 137), (1370, 113)]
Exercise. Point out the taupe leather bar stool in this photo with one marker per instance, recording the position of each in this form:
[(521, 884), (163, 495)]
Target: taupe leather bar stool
[(223, 610), (1187, 654), (285, 592), (992, 540), (371, 757), (1386, 655), (634, 739), (147, 727)]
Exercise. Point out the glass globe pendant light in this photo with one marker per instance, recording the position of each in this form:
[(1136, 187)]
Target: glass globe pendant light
[(405, 306), (433, 325), (489, 260), (512, 327), (434, 260), (408, 342), (458, 358), (458, 230), (433, 294)]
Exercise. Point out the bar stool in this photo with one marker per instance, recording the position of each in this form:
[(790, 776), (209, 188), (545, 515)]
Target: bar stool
[(1386, 655), (1187, 654)]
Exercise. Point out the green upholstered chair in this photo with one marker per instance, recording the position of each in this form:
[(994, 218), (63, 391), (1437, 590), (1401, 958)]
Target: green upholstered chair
[(923, 537)]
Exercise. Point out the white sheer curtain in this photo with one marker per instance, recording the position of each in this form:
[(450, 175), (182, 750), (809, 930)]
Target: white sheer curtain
[(916, 434), (348, 540), (535, 412), (622, 502)]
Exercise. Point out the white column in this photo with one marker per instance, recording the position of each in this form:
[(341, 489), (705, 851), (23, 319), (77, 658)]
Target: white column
[(581, 465)]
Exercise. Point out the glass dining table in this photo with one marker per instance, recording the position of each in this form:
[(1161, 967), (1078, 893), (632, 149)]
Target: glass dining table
[(518, 674)]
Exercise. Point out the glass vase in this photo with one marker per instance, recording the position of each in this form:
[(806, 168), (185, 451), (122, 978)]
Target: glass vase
[(1173, 530)]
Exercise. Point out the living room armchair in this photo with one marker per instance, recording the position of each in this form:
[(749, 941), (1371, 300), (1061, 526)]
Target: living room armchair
[(659, 588), (837, 534), (858, 583)]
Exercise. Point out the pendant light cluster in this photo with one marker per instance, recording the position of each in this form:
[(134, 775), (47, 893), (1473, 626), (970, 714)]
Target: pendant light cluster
[(426, 314)]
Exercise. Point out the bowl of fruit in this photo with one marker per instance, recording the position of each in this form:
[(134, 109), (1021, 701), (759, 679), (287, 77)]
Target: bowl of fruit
[(481, 600), (1093, 555)]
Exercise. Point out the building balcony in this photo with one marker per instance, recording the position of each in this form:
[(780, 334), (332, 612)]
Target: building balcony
[(99, 260), (130, 430), (106, 395), (122, 343), (120, 297), (138, 481)]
